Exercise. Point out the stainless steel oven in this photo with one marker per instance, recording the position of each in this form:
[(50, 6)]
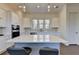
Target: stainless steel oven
[(15, 31)]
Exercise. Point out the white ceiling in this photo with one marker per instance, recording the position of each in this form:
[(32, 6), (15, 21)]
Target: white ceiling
[(32, 7)]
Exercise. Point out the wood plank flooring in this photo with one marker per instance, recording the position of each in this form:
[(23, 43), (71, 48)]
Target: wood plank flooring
[(69, 50)]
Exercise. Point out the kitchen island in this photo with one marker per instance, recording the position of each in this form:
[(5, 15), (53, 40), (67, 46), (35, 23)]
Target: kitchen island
[(36, 42), (4, 45)]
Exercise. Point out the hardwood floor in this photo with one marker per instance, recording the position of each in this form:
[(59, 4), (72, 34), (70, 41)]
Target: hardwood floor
[(69, 50), (5, 53)]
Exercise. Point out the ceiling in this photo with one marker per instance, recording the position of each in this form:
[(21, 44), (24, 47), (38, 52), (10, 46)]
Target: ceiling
[(32, 7)]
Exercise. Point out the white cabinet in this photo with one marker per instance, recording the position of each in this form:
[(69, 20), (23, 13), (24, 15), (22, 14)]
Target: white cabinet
[(3, 18), (2, 42), (55, 22), (15, 18), (26, 22)]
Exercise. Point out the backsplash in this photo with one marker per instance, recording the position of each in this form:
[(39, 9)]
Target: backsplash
[(1, 31), (51, 31)]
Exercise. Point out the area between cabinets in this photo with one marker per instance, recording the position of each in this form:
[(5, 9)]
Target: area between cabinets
[(27, 23)]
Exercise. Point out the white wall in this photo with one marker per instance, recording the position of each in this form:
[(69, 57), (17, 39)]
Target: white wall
[(63, 24), (26, 21), (73, 23), (29, 17), (69, 25), (73, 7)]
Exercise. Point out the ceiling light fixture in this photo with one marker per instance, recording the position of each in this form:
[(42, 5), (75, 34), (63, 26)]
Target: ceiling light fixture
[(24, 6), (20, 6), (38, 6), (48, 6), (55, 6), (24, 10), (48, 10)]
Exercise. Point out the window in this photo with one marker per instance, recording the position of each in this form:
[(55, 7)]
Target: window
[(40, 23), (34, 24), (47, 23)]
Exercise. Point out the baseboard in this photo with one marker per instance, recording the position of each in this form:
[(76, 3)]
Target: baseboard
[(70, 44), (2, 51)]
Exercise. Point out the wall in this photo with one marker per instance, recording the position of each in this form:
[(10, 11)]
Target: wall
[(26, 21), (66, 23), (40, 16), (73, 7), (73, 23), (63, 24)]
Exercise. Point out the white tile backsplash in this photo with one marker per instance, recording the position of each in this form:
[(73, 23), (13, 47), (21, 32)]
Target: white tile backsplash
[(41, 38), (35, 38), (1, 31), (46, 38)]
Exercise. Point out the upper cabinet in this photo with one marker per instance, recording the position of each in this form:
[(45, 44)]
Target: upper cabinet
[(26, 22), (3, 18), (55, 22), (15, 19)]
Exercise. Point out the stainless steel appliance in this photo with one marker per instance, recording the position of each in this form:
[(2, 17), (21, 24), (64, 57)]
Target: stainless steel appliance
[(15, 31)]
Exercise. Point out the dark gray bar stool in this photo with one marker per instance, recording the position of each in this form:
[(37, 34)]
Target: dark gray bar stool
[(28, 50), (48, 51), (16, 51)]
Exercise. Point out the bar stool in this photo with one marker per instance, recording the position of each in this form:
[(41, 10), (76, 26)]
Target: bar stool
[(28, 50), (16, 51), (48, 51)]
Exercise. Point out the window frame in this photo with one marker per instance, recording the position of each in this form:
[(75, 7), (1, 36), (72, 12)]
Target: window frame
[(43, 23)]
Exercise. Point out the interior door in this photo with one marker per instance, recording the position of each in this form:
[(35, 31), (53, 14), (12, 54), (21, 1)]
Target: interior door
[(77, 28), (72, 27)]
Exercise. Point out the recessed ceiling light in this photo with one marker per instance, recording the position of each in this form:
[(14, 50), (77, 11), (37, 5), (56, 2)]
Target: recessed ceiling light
[(24, 10), (55, 6), (38, 6), (20, 6), (48, 10), (24, 6), (48, 6)]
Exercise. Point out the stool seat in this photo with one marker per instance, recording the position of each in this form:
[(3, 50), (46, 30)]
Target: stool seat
[(28, 50), (48, 51), (16, 51)]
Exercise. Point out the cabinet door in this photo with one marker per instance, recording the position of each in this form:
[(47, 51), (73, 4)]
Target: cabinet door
[(55, 22), (34, 23), (41, 24), (47, 24), (26, 22), (15, 19), (2, 18)]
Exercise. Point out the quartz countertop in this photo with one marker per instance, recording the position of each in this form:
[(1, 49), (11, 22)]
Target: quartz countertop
[(37, 39), (4, 44)]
